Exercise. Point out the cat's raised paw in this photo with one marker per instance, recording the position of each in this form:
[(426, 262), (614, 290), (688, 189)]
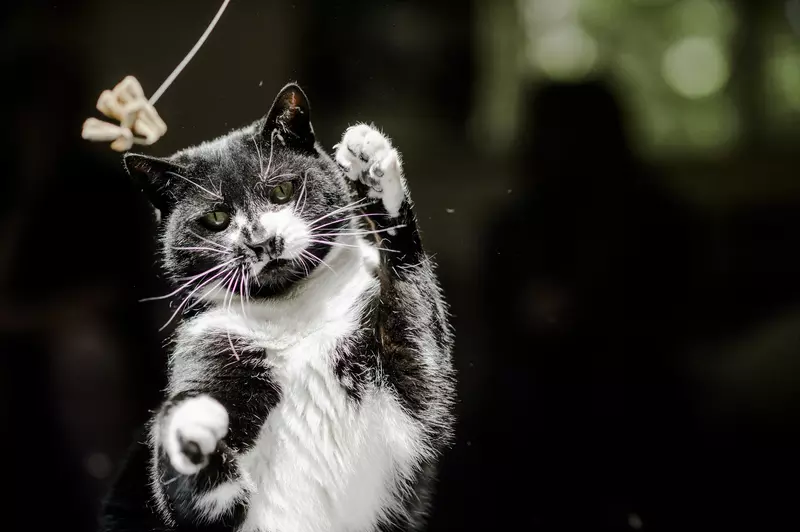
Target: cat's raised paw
[(193, 431), (367, 155)]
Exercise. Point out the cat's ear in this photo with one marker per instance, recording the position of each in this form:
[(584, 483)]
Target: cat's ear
[(153, 176), (290, 118)]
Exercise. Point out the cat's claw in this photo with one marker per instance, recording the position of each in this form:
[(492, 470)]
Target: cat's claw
[(367, 155), (193, 431)]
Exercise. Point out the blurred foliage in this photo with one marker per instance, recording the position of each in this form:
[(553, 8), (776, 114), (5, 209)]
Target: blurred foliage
[(698, 80)]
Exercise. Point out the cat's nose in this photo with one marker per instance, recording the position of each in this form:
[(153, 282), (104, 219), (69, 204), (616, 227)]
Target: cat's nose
[(270, 248)]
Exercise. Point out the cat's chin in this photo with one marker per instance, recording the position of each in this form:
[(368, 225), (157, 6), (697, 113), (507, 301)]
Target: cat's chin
[(275, 278)]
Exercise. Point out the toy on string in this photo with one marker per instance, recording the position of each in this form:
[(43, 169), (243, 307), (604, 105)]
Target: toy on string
[(139, 122)]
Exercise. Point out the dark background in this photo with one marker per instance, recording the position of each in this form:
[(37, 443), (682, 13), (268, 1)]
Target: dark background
[(610, 189)]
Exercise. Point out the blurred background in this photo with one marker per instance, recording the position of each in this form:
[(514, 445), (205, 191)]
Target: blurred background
[(610, 188)]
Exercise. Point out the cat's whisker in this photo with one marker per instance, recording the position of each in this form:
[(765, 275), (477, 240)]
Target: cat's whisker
[(207, 293), (217, 188), (355, 217), (189, 282), (242, 291), (276, 177), (186, 299), (350, 207), (302, 192), (247, 286), (343, 245), (230, 301), (204, 239), (261, 174), (319, 260), (305, 193), (299, 260), (201, 187), (271, 149), (200, 248), (361, 233)]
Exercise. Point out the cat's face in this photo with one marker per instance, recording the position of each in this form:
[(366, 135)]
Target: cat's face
[(252, 212)]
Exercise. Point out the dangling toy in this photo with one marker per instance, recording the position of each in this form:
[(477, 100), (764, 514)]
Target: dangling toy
[(139, 122)]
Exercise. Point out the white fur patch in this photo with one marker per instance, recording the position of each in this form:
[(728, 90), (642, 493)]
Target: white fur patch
[(322, 462), (286, 224), (219, 500), (367, 155), (201, 420)]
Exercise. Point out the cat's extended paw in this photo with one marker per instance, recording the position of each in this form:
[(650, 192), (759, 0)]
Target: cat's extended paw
[(194, 428), (367, 155)]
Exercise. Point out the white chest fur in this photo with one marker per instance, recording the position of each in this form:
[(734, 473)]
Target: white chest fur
[(322, 462)]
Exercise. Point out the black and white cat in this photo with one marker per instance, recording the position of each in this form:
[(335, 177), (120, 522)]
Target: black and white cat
[(311, 384)]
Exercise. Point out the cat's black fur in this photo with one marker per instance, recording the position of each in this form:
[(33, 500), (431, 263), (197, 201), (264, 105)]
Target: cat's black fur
[(402, 345)]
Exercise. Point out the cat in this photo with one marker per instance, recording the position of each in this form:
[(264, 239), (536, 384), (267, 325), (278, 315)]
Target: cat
[(311, 385)]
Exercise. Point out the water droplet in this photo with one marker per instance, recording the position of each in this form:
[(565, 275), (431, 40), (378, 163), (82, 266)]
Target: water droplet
[(260, 83), (450, 211), (508, 191), (634, 521), (469, 443)]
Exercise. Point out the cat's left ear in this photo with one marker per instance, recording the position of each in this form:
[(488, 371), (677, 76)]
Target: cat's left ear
[(290, 118), (154, 176)]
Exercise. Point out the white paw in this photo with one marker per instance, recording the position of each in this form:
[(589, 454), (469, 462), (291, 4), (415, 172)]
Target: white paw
[(367, 155), (193, 429)]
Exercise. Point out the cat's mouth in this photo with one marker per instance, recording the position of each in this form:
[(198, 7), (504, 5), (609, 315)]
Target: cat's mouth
[(266, 266), (271, 271), (272, 277), (275, 264)]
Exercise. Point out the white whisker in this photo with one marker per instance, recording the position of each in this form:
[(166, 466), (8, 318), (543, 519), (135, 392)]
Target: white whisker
[(275, 177), (352, 206), (271, 149), (186, 285), (230, 301), (208, 292), (260, 160), (199, 248), (302, 192), (186, 299), (241, 291), (343, 245), (355, 217), (204, 239), (310, 256), (195, 184), (360, 233)]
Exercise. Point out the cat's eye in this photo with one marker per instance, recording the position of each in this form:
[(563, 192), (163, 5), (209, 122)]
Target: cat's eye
[(215, 220), (282, 193)]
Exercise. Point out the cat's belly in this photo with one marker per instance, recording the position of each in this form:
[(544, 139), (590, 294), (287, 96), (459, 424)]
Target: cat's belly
[(324, 462)]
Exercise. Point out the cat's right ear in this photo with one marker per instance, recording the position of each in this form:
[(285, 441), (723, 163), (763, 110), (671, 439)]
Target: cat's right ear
[(153, 176)]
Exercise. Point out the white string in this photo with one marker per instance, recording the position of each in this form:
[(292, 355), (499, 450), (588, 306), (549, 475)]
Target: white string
[(164, 86)]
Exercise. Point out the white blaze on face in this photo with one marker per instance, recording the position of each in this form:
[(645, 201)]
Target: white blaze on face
[(239, 222), (287, 225)]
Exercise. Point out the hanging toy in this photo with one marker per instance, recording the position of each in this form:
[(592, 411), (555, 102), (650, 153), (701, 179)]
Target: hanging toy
[(139, 122)]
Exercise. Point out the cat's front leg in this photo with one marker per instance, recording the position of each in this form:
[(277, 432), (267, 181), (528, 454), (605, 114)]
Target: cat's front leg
[(374, 165), (194, 469), (215, 413)]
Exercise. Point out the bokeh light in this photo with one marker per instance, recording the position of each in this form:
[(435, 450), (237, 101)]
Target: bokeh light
[(708, 18), (695, 67), (565, 52)]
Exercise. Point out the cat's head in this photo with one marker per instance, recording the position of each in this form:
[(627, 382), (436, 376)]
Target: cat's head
[(253, 210)]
